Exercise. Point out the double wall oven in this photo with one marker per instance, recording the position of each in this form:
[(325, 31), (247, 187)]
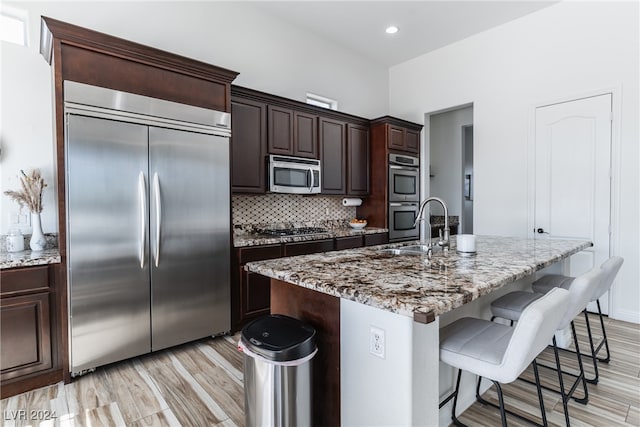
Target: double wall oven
[(404, 196)]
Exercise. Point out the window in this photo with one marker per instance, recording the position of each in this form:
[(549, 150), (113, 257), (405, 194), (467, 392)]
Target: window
[(13, 26), (321, 101)]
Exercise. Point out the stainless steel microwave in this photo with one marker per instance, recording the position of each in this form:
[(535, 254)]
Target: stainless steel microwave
[(295, 175)]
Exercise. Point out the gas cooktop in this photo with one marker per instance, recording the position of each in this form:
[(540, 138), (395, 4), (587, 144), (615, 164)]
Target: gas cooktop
[(292, 231)]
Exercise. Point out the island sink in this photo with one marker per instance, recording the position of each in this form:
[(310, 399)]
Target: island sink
[(420, 249)]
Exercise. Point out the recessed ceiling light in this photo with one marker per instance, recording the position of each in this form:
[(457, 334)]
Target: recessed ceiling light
[(391, 29)]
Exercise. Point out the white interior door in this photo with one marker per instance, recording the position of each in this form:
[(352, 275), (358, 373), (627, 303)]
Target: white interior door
[(572, 177)]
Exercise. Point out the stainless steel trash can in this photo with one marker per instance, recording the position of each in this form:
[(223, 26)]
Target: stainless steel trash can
[(278, 352)]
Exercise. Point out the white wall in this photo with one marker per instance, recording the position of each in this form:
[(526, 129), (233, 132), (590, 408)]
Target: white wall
[(271, 56), (562, 51)]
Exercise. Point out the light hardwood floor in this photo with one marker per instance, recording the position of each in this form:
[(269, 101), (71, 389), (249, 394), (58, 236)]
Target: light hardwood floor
[(200, 384)]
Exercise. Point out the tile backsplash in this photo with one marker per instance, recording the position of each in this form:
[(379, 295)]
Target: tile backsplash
[(281, 208)]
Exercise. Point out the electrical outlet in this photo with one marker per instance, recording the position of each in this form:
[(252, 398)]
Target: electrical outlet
[(376, 342)]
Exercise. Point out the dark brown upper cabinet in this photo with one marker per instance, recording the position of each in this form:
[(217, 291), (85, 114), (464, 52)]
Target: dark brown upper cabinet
[(305, 135), (333, 154), (358, 153), (292, 133), (264, 124), (402, 139), (248, 145), (280, 130)]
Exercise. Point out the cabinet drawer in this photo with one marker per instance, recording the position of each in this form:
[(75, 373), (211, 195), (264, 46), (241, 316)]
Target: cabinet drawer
[(258, 253), (348, 242), (303, 248), (25, 279), (376, 239)]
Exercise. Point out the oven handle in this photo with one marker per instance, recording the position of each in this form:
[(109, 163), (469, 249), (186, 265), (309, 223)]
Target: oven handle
[(394, 204), (404, 168)]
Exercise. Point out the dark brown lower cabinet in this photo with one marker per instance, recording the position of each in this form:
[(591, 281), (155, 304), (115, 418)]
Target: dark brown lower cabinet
[(304, 248), (25, 335), (376, 239), (27, 330), (250, 292), (348, 242)]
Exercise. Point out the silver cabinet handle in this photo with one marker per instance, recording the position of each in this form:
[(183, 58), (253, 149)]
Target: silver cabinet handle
[(142, 192), (156, 188)]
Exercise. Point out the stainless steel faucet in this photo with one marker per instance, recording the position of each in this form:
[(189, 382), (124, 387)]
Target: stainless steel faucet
[(444, 240)]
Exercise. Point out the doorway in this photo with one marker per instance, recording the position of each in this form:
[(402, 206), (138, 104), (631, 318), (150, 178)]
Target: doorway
[(572, 194), (449, 173)]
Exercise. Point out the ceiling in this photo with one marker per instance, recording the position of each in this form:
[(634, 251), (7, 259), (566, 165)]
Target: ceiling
[(424, 25)]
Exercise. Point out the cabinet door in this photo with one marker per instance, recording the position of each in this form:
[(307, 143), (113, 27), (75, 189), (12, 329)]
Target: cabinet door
[(280, 139), (255, 294), (248, 146), (305, 141), (376, 239), (311, 247), (357, 160), (412, 141), (348, 242), (333, 155), (395, 138), (25, 335)]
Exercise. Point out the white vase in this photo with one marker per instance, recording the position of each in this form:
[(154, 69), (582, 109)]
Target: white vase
[(37, 242)]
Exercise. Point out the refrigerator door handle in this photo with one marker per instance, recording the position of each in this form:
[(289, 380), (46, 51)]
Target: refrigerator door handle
[(156, 187), (142, 191)]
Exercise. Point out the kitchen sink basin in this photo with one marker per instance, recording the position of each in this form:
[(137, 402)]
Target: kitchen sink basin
[(412, 250)]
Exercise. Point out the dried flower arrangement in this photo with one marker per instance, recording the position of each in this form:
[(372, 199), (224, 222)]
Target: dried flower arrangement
[(31, 193)]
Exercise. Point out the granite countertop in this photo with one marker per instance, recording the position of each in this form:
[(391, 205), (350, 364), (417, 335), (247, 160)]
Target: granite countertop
[(411, 285), (254, 239), (28, 258)]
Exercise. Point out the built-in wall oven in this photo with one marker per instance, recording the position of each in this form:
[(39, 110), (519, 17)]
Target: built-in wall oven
[(404, 196), (402, 215), (404, 178)]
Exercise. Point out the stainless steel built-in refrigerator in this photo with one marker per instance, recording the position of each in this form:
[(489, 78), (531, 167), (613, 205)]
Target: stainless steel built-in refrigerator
[(148, 223)]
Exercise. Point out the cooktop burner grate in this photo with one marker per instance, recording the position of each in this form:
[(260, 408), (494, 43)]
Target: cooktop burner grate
[(292, 231)]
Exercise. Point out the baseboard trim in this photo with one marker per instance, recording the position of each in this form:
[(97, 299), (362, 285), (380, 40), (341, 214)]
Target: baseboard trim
[(625, 315)]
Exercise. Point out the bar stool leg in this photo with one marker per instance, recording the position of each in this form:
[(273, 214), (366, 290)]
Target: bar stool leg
[(596, 377), (540, 398), (456, 421), (604, 335), (561, 382), (501, 400), (585, 399)]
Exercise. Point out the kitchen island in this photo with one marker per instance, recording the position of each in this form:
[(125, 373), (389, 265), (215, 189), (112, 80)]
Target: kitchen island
[(350, 295)]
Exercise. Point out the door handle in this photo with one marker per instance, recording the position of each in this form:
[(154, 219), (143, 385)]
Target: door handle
[(158, 197), (312, 180), (541, 231), (142, 193)]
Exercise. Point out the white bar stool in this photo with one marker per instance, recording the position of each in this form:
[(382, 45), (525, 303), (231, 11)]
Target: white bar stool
[(610, 268), (513, 305), (499, 352)]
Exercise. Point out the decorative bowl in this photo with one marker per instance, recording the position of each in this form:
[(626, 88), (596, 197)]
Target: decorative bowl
[(358, 225)]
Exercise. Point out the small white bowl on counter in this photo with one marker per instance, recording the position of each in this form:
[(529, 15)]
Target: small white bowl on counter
[(358, 225)]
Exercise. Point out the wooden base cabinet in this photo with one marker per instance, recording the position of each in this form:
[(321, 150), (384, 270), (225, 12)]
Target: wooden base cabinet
[(250, 292), (28, 342)]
